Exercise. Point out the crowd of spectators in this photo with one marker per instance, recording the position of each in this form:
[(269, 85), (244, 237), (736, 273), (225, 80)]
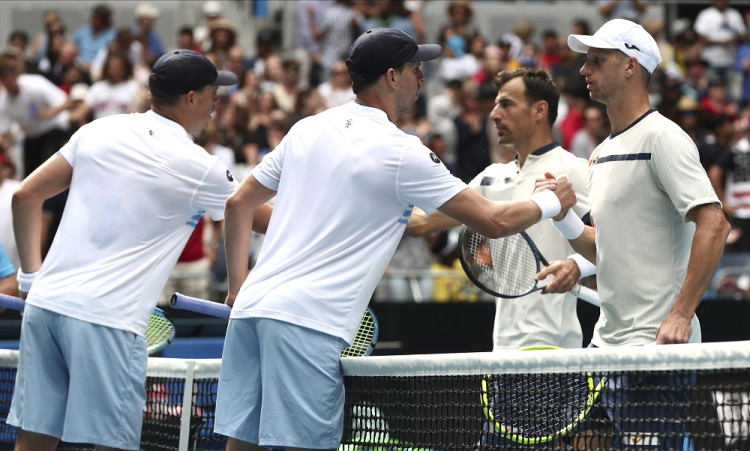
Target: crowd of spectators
[(72, 73)]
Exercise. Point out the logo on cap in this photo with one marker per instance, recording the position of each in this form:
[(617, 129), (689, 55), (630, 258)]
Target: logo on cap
[(631, 47)]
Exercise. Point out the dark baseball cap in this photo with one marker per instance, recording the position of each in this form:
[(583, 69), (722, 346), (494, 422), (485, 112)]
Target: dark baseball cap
[(181, 71), (380, 49)]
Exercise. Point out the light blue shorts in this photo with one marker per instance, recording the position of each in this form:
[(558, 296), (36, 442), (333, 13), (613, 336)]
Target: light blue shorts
[(280, 385), (78, 381)]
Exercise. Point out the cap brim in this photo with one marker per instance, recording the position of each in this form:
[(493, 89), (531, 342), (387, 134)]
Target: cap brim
[(581, 43), (426, 52), (225, 78)]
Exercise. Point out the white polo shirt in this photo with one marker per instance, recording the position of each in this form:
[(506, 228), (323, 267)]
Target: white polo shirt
[(537, 319), (346, 181), (139, 187), (35, 92), (644, 181)]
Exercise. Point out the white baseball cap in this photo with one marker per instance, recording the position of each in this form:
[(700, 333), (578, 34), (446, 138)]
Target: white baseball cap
[(147, 10), (623, 35)]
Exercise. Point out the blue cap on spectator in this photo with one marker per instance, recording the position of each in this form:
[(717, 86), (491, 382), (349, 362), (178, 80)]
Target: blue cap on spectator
[(380, 49), (182, 71)]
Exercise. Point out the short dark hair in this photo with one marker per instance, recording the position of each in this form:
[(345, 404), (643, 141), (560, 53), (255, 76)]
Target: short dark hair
[(359, 86), (125, 60), (539, 86), (20, 34), (155, 82)]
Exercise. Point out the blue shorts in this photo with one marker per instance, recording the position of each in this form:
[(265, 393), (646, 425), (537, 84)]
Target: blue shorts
[(280, 385), (629, 407), (78, 381)]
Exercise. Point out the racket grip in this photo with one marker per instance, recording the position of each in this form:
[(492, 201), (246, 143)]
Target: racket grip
[(12, 302), (183, 302), (587, 294)]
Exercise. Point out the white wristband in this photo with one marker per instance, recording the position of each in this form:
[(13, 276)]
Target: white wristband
[(547, 202), (25, 280), (571, 226), (586, 267)]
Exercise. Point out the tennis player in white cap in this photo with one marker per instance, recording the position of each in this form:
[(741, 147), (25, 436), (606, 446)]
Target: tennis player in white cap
[(658, 229)]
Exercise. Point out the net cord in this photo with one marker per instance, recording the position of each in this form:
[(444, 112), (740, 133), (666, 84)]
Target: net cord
[(624, 358)]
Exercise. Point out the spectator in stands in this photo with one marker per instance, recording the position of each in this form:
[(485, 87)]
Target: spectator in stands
[(285, 92), (8, 282), (223, 37), (338, 89), (743, 65), (309, 51), (716, 100), (472, 139), (730, 178), (39, 107), (145, 33), (459, 28), (594, 131), (126, 44), (7, 186), (340, 25), (309, 103), (63, 57), (186, 39), (212, 10), (720, 29), (391, 14), (621, 9), (40, 44), (116, 93), (96, 35)]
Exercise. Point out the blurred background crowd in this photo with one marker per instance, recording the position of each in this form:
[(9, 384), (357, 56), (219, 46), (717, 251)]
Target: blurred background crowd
[(63, 73)]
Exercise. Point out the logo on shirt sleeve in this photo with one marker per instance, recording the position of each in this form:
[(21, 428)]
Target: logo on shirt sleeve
[(434, 158), (230, 177)]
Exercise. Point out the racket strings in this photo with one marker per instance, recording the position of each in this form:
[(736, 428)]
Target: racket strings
[(535, 408), (363, 339), (159, 332), (505, 265)]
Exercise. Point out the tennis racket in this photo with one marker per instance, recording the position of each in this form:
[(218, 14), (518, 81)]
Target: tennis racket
[(159, 333), (506, 267), (363, 343), (534, 409)]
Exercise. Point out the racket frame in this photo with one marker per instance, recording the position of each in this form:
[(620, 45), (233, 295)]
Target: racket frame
[(585, 293), (507, 432)]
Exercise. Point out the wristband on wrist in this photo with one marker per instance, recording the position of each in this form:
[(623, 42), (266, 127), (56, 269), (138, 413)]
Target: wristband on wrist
[(547, 202), (570, 226), (25, 280), (586, 267)]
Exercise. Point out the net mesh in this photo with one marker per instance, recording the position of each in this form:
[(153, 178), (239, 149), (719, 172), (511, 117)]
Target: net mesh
[(686, 397)]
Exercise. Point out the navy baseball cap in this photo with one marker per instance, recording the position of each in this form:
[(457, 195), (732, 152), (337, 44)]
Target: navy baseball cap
[(181, 71), (380, 49)]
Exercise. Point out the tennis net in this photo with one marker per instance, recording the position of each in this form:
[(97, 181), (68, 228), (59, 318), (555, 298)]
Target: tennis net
[(687, 397)]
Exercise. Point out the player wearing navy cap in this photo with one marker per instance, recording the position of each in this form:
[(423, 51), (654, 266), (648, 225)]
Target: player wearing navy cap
[(345, 183), (137, 184)]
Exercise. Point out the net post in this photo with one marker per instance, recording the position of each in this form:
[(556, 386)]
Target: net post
[(187, 404)]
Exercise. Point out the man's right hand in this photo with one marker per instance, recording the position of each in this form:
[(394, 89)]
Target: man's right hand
[(566, 195)]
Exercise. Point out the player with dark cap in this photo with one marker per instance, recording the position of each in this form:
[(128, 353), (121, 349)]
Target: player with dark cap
[(138, 186), (351, 177)]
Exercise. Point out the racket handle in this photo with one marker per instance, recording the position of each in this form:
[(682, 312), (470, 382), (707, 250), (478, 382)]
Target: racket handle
[(12, 302), (183, 302), (587, 294)]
